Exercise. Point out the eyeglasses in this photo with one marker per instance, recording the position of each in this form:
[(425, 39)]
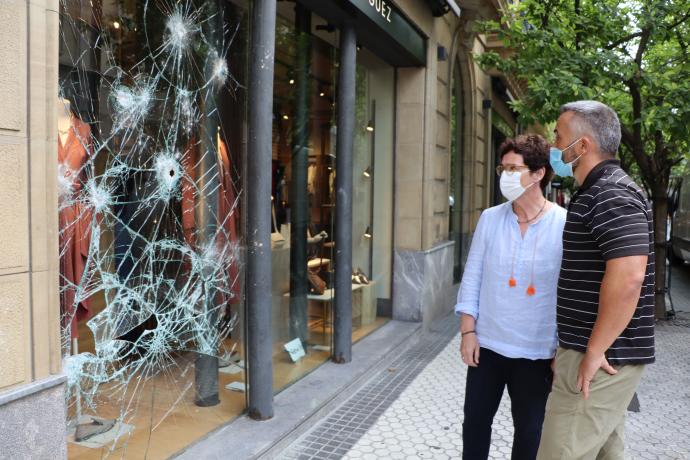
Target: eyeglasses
[(510, 169)]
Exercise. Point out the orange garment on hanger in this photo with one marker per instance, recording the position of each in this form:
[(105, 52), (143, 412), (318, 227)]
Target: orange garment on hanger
[(227, 215), (75, 221)]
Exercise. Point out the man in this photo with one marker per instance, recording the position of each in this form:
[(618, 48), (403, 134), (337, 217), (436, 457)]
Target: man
[(605, 306)]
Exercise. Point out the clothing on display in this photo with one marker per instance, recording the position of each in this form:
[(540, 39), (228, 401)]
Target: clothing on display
[(75, 218), (311, 179), (227, 233)]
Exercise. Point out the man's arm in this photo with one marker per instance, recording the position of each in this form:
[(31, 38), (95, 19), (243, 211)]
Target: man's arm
[(618, 299)]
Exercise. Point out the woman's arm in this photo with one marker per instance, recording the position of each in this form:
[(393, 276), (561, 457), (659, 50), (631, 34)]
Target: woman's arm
[(468, 294)]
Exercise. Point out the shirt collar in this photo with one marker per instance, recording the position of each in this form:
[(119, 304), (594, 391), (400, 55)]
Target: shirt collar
[(596, 173)]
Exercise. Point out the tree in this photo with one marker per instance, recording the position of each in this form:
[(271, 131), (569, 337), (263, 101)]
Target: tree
[(629, 54)]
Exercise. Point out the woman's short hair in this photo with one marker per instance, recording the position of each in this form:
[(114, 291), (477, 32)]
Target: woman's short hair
[(535, 153)]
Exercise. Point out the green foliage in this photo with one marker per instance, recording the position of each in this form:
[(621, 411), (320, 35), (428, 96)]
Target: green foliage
[(631, 55)]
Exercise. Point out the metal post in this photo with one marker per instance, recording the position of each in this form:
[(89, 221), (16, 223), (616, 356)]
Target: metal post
[(258, 227), (299, 200), (342, 335)]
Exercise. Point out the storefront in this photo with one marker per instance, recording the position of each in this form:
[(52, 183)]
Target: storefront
[(244, 189), (155, 205)]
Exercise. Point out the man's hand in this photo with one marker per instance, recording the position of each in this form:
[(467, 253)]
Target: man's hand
[(588, 367), (469, 350)]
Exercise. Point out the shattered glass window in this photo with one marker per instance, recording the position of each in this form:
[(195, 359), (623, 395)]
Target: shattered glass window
[(151, 136)]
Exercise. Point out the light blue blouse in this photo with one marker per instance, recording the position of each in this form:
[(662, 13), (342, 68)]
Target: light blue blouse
[(509, 321)]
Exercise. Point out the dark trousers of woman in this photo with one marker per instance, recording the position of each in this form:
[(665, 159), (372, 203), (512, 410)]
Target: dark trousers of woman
[(529, 384)]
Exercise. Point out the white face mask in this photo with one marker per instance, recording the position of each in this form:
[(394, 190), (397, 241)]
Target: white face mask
[(511, 188)]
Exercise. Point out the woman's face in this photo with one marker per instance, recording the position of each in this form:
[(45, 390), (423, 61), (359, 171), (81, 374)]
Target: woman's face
[(512, 161)]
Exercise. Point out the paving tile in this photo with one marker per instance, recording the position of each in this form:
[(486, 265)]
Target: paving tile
[(416, 411)]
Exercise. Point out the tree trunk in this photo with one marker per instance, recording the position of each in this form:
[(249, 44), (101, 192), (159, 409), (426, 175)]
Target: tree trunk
[(660, 211)]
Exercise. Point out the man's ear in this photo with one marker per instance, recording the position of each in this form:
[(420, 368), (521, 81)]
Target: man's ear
[(588, 144)]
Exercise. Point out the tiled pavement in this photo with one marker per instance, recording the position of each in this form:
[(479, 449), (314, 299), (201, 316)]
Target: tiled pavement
[(410, 411), (340, 431)]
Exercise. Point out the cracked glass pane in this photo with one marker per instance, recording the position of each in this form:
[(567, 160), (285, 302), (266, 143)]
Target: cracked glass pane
[(151, 136)]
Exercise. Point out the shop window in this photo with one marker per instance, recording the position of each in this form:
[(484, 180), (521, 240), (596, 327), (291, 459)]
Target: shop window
[(303, 211), (372, 221), (151, 139)]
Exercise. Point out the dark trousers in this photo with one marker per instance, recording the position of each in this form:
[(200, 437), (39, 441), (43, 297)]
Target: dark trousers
[(529, 384)]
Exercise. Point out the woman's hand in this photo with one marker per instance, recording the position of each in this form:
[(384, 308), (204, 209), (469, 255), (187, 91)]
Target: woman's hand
[(469, 344), (469, 350)]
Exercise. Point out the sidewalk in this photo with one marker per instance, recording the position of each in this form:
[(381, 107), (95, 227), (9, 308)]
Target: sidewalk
[(403, 414)]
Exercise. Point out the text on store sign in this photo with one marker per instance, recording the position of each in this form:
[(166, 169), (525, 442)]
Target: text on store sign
[(381, 7)]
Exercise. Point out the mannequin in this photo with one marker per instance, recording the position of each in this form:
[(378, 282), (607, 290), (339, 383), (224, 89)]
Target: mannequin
[(74, 151), (64, 120), (75, 219)]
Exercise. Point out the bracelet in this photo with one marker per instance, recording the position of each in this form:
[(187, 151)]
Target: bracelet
[(463, 334)]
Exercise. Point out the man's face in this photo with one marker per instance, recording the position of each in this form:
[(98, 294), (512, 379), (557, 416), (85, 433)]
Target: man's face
[(565, 137)]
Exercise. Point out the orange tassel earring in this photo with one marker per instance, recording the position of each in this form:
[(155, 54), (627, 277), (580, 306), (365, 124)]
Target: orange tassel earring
[(511, 281), (531, 290)]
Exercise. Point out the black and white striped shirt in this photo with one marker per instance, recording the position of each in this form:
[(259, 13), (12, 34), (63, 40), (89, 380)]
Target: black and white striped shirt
[(608, 217)]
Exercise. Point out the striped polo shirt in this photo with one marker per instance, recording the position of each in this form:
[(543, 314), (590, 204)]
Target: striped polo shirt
[(608, 217)]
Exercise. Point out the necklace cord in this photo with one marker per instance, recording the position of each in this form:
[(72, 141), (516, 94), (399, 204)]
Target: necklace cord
[(537, 215)]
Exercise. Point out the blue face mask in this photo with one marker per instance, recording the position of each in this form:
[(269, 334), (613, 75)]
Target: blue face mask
[(560, 167)]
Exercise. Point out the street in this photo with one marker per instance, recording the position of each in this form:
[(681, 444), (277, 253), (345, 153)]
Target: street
[(412, 410)]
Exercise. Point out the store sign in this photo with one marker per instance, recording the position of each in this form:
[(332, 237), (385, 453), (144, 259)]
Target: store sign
[(390, 20), (383, 8)]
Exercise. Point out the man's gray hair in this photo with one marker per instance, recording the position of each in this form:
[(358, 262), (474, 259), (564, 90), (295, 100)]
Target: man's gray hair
[(599, 120)]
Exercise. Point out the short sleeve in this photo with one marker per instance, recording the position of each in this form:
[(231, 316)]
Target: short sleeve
[(619, 222)]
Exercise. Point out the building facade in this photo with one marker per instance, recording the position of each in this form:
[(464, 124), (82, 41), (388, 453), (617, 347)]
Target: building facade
[(208, 199)]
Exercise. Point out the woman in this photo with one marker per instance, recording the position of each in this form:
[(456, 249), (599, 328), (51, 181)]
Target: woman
[(507, 302)]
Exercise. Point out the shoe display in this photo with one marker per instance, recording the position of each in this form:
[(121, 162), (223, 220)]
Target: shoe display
[(362, 277)]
